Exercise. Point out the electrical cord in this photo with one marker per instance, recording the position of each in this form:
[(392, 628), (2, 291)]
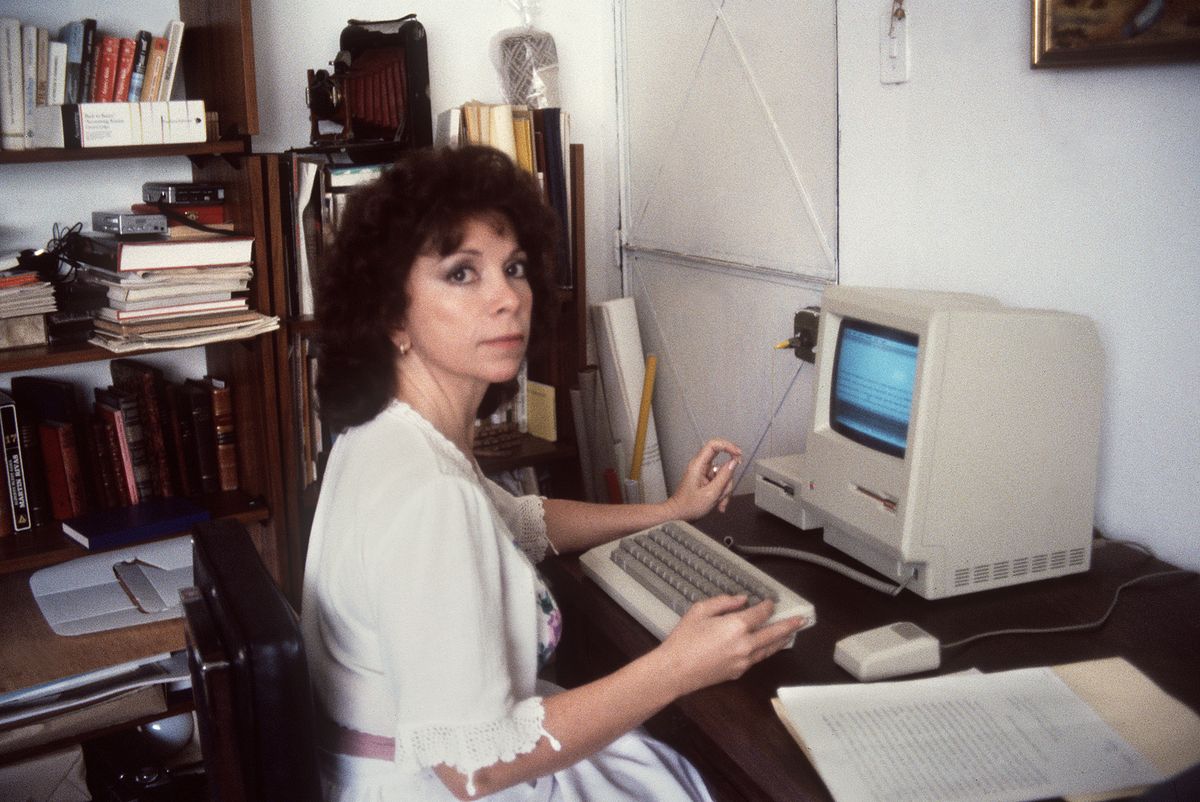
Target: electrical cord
[(1073, 627), (817, 559), (167, 211)]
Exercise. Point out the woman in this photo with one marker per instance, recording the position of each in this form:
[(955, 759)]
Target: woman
[(424, 620)]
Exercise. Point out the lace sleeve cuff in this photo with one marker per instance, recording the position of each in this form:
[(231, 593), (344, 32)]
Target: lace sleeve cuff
[(470, 747), (530, 532)]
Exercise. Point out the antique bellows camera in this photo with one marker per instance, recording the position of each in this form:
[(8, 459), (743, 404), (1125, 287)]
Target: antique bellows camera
[(378, 88)]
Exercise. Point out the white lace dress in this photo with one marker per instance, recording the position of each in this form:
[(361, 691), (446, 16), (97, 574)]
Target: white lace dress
[(425, 624)]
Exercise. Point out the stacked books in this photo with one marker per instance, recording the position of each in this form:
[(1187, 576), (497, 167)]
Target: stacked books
[(170, 293), (86, 86), (24, 300)]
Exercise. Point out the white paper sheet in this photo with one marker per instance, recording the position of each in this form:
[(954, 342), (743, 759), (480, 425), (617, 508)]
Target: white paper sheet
[(1011, 735)]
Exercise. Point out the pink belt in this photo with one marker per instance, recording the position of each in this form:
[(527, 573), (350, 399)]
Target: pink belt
[(345, 741)]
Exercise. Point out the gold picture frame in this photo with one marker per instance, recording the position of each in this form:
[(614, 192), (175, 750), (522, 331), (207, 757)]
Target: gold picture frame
[(1074, 32)]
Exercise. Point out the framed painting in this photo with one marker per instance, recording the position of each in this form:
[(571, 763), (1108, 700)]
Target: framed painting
[(1068, 32)]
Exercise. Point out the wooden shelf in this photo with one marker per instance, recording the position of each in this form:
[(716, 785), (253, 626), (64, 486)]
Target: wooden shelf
[(43, 155), (47, 545), (529, 451)]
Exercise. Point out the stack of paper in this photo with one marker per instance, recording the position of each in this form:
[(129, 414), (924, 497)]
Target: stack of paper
[(1084, 729), (175, 308)]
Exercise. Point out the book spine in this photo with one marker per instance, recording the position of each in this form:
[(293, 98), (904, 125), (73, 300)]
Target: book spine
[(141, 381), (119, 456), (37, 498), (104, 478), (200, 409), (29, 57), (87, 64), (104, 87), (174, 37), (125, 53), (225, 435), (141, 55), (56, 74), (14, 465), (6, 524), (154, 69), (64, 477), (139, 455), (42, 94), (72, 34), (12, 92), (182, 441)]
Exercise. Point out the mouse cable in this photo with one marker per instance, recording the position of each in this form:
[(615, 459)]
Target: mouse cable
[(1073, 627), (824, 562)]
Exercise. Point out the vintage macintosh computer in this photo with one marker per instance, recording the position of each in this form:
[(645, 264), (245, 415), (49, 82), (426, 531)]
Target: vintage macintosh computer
[(954, 440)]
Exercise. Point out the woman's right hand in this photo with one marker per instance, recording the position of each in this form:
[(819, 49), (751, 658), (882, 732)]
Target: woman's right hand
[(718, 639)]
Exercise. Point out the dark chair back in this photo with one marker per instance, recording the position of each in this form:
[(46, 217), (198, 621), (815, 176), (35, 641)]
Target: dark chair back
[(249, 675)]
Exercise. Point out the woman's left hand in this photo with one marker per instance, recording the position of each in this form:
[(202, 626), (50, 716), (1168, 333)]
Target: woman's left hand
[(705, 484)]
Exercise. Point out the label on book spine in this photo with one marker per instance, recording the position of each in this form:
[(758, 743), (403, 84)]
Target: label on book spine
[(15, 465)]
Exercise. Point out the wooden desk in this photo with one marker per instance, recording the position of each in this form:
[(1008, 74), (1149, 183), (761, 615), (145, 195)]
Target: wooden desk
[(730, 731), (30, 652)]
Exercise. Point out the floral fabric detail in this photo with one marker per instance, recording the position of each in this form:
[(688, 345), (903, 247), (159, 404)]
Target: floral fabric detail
[(549, 624)]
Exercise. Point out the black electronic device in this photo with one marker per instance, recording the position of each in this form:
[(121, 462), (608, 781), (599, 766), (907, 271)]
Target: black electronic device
[(182, 192), (130, 224)]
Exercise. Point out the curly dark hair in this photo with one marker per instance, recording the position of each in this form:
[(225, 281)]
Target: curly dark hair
[(421, 203)]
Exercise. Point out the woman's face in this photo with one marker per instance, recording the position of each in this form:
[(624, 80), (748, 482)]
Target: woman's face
[(468, 311)]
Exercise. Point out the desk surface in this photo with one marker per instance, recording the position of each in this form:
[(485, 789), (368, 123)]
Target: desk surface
[(733, 735), (30, 652)]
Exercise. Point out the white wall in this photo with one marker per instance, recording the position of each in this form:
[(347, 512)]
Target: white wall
[(291, 37), (1076, 189)]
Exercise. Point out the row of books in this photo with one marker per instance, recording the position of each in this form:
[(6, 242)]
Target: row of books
[(82, 65), (539, 140), (142, 437), (317, 190)]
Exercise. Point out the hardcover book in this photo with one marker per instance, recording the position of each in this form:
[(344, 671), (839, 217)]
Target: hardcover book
[(55, 401), (129, 255), (135, 436), (146, 382), (64, 474), (72, 35), (87, 74), (126, 49), (113, 418), (181, 437), (196, 414), (107, 52), (141, 55), (14, 465), (167, 309), (121, 526), (224, 433)]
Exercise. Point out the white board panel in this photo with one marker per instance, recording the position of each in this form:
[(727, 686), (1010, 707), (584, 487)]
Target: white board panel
[(730, 132)]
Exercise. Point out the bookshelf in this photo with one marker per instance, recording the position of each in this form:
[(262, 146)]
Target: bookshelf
[(218, 63)]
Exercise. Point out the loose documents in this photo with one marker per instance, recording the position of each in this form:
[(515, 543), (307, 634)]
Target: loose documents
[(1012, 735)]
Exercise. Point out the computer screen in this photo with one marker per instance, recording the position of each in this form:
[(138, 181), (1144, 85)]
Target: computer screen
[(954, 440), (871, 397)]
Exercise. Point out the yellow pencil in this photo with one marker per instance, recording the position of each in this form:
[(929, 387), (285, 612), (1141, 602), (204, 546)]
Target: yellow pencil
[(639, 440)]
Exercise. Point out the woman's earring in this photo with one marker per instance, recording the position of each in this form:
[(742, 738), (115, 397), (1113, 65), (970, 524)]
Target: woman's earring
[(403, 349)]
